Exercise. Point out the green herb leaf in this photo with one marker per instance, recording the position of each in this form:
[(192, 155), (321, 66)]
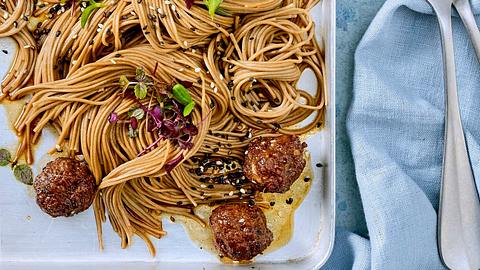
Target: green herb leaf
[(140, 75), (138, 113), (88, 11), (140, 90), (181, 94), (124, 82), (5, 157), (188, 109), (132, 133), (212, 6), (23, 173)]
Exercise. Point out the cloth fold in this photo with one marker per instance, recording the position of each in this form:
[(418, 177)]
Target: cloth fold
[(396, 129)]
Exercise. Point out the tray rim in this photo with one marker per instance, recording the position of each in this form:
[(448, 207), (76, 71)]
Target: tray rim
[(328, 13)]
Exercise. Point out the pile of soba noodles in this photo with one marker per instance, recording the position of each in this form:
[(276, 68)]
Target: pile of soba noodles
[(240, 66)]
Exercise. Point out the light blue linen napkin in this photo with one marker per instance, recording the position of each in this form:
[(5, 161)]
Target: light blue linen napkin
[(396, 128)]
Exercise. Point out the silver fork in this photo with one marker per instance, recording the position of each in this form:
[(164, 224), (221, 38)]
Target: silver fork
[(459, 210)]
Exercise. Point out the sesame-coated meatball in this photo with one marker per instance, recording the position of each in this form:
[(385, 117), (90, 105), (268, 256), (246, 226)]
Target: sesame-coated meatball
[(274, 164), (65, 187), (240, 231)]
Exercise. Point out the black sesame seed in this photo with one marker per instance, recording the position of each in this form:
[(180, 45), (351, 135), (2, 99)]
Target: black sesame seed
[(179, 203), (215, 150), (272, 203), (172, 218), (289, 200), (319, 165), (251, 202), (210, 186), (5, 51), (306, 179), (58, 33)]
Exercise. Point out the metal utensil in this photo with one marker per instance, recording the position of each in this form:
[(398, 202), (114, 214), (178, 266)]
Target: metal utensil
[(459, 211), (466, 14)]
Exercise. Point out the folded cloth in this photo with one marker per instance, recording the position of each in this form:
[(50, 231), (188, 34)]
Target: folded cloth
[(396, 128)]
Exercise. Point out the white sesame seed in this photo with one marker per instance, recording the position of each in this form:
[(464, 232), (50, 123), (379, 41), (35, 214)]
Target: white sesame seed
[(203, 186), (242, 220), (185, 43), (242, 191), (230, 193), (197, 70), (212, 84), (215, 90), (113, 61)]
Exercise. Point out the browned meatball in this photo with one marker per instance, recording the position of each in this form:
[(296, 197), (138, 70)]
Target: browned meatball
[(273, 164), (65, 187), (240, 231)]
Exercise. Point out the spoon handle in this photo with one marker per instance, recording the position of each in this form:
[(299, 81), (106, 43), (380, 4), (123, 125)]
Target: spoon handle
[(459, 211), (465, 11)]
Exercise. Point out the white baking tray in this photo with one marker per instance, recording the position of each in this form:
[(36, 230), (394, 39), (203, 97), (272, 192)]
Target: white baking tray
[(30, 239)]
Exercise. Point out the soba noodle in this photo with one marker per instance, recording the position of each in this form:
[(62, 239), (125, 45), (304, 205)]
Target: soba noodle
[(243, 65)]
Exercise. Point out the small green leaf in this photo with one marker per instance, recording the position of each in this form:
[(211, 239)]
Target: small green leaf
[(188, 109), (140, 75), (124, 82), (132, 133), (212, 6), (23, 173), (88, 11), (181, 94), (138, 113), (140, 90), (5, 157)]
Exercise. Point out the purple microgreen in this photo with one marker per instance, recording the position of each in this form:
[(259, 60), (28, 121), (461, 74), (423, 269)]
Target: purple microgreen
[(140, 90), (189, 3), (169, 129), (190, 129), (134, 123), (138, 113), (156, 112), (173, 163), (113, 118), (186, 84), (151, 146)]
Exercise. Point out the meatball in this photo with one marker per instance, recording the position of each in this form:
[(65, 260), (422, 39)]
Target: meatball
[(273, 164), (240, 231), (65, 187)]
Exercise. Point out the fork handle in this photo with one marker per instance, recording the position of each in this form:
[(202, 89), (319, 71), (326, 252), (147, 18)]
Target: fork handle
[(459, 211), (465, 11)]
